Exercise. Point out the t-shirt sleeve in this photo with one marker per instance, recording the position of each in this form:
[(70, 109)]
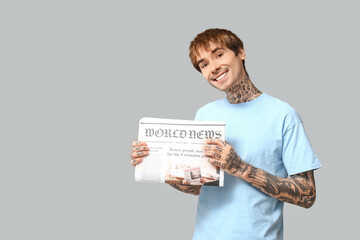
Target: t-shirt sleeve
[(297, 153), (198, 115)]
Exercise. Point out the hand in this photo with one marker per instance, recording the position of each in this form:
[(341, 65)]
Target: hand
[(205, 180), (140, 150), (223, 155)]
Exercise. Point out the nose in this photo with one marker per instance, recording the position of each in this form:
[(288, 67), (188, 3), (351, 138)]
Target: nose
[(214, 66)]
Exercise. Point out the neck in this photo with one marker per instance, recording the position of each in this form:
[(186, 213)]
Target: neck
[(242, 91)]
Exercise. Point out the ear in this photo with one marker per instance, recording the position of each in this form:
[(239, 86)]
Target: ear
[(242, 54)]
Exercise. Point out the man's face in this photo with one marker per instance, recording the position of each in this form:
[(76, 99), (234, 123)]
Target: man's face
[(220, 67)]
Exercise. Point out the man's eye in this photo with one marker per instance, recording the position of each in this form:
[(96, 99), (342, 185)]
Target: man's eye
[(219, 55), (204, 65)]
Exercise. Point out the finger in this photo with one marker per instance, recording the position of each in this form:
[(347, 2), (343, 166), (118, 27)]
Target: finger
[(138, 143), (206, 179), (209, 153), (216, 141), (213, 141), (136, 161), (218, 149), (217, 163), (141, 148), (213, 154), (217, 155), (214, 148), (207, 147), (139, 154)]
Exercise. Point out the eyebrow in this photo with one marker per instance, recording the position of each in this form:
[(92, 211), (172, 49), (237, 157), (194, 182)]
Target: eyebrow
[(212, 52)]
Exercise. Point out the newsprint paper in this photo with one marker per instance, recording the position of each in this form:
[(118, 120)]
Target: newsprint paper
[(176, 152)]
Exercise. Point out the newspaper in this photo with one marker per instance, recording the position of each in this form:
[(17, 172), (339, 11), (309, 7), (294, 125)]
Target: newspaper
[(176, 152)]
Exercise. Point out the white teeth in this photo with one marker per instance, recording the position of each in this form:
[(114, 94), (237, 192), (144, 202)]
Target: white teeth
[(221, 76)]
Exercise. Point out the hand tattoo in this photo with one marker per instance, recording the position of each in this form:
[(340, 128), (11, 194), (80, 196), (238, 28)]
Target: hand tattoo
[(219, 149), (234, 163)]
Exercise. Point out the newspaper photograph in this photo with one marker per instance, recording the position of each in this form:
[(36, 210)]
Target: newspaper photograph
[(176, 152)]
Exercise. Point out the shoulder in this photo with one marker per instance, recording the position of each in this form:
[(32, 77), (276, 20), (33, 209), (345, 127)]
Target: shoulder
[(281, 107), (278, 104), (283, 112)]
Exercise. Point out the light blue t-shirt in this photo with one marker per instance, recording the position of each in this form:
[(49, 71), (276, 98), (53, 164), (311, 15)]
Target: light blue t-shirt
[(268, 134)]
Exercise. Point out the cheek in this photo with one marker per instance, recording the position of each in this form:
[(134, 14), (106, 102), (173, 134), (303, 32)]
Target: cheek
[(205, 74), (238, 66)]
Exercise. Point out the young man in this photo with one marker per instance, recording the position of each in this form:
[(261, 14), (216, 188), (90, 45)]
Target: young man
[(267, 156)]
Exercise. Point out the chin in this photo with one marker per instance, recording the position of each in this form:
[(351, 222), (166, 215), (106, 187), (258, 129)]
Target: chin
[(222, 88)]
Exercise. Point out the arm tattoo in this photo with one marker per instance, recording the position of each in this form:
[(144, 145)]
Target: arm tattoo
[(253, 171), (298, 189), (235, 164), (195, 190)]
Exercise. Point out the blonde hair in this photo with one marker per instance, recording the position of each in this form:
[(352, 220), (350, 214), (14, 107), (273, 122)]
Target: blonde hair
[(219, 36)]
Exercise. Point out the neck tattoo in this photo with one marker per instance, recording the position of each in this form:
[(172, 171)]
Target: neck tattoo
[(243, 91)]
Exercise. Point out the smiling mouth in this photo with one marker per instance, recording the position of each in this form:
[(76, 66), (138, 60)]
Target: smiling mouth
[(221, 76)]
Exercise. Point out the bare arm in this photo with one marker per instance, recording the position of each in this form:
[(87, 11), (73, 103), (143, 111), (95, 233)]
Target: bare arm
[(298, 189)]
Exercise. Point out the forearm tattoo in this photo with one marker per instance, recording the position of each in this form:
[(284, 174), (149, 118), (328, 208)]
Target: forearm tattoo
[(253, 172), (298, 189), (195, 190)]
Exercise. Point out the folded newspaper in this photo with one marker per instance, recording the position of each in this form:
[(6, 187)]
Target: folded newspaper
[(176, 152)]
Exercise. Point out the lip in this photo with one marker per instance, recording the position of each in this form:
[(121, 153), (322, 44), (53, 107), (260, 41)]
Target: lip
[(223, 79)]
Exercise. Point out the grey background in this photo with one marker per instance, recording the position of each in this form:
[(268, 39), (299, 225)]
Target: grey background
[(76, 76)]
